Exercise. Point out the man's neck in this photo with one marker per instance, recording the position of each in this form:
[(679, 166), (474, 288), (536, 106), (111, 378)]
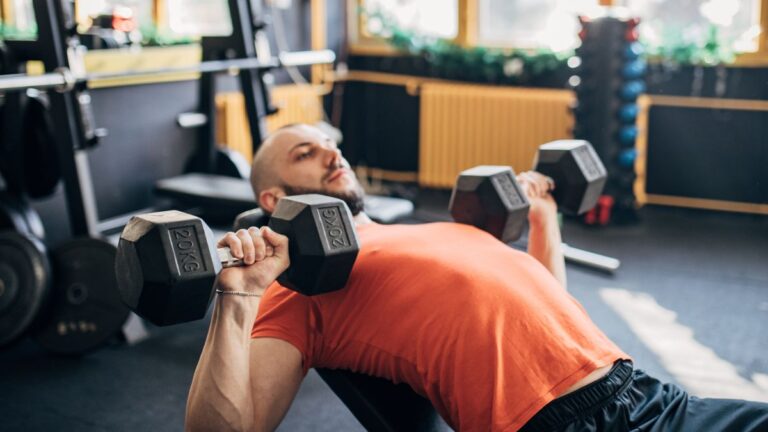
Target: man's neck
[(362, 219)]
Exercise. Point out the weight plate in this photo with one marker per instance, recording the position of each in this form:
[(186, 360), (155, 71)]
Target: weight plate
[(24, 283), (86, 309), (40, 156)]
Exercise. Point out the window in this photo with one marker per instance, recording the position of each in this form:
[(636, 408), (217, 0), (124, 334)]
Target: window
[(140, 10), (367, 19), (437, 18), (549, 24), (198, 17), (668, 21), (18, 19), (553, 24)]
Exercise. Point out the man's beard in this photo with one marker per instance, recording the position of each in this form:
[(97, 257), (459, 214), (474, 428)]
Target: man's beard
[(353, 198)]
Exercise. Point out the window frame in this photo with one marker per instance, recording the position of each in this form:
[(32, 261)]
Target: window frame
[(361, 44), (758, 58)]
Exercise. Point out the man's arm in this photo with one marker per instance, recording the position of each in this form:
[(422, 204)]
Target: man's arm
[(242, 384), (545, 244), (544, 240)]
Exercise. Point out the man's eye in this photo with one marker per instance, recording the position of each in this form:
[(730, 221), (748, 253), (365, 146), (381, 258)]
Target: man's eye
[(304, 155)]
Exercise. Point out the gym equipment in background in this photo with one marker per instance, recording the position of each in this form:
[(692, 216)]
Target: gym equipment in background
[(203, 185), (609, 77)]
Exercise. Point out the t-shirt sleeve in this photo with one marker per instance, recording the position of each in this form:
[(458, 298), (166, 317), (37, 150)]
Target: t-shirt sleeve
[(287, 315)]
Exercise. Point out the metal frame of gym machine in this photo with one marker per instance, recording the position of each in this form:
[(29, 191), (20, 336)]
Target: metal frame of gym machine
[(247, 31), (206, 186), (71, 113)]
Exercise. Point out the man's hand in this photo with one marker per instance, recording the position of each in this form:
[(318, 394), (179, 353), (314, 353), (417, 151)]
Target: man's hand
[(265, 254), (537, 188)]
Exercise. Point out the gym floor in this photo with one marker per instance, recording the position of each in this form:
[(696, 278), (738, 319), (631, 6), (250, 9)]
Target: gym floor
[(700, 274)]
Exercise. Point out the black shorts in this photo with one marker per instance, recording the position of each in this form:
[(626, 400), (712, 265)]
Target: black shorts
[(627, 399)]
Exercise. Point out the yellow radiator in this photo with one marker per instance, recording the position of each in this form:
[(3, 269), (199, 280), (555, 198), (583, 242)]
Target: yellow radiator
[(467, 125), (297, 103)]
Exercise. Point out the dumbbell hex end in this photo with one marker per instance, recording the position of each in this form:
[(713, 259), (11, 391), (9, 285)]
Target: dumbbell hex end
[(323, 244), (488, 197), (164, 267), (578, 172)]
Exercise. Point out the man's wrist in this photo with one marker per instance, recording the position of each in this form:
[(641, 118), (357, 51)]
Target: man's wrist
[(238, 297), (544, 222), (242, 309)]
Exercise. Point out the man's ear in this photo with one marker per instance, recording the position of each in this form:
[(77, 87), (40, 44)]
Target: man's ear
[(268, 198)]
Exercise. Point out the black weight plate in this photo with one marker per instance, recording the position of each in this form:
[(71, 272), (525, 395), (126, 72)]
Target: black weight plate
[(24, 283), (85, 309), (41, 162)]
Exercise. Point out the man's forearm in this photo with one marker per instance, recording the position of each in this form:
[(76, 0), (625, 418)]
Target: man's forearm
[(545, 244), (220, 397)]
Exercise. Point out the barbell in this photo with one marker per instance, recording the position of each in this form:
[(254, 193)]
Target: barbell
[(63, 79)]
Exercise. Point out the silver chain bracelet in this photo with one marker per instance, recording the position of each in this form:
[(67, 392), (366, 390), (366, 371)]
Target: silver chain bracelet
[(238, 293)]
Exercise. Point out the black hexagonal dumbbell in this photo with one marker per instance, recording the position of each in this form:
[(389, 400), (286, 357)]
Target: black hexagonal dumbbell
[(578, 173), (167, 262), (488, 197)]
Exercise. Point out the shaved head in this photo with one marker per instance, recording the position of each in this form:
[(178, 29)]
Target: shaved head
[(300, 159), (263, 170)]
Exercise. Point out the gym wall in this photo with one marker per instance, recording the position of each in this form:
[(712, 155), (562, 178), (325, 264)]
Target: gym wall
[(708, 151), (378, 113), (685, 143), (144, 144)]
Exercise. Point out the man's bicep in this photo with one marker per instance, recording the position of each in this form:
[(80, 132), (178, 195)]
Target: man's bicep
[(276, 373)]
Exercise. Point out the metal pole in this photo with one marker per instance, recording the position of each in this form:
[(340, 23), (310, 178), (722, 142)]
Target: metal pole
[(23, 81), (64, 80)]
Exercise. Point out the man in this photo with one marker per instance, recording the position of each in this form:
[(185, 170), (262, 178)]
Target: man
[(488, 334)]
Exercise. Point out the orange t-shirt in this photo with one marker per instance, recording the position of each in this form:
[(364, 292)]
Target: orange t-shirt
[(483, 331)]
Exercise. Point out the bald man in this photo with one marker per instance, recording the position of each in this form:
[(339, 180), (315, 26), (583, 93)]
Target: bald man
[(488, 334)]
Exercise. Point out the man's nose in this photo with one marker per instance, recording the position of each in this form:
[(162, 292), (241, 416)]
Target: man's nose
[(332, 157)]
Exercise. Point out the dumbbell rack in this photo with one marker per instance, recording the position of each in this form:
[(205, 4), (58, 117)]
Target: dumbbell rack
[(609, 77)]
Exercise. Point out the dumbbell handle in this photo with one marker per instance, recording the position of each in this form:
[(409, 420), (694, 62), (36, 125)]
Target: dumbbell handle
[(228, 260)]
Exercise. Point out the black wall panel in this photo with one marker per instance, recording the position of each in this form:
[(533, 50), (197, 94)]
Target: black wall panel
[(717, 82), (144, 144), (380, 124), (708, 153)]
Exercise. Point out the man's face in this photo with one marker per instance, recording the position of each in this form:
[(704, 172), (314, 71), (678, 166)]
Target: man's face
[(308, 161)]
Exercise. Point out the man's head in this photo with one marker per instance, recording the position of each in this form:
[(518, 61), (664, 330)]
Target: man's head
[(300, 159)]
